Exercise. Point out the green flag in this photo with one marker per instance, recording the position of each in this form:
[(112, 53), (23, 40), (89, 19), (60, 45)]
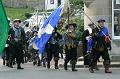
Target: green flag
[(3, 27)]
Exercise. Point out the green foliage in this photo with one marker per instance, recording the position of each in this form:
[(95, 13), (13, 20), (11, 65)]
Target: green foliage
[(79, 8), (28, 15), (13, 13), (80, 25), (77, 3)]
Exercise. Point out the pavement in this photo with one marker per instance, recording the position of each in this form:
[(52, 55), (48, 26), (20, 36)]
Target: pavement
[(80, 62), (34, 72)]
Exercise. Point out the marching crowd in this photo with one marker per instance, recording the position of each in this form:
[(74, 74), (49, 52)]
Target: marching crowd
[(20, 49)]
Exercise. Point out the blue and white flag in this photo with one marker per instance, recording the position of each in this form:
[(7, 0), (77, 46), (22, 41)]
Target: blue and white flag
[(47, 28)]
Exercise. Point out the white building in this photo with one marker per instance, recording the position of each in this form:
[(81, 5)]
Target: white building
[(52, 4)]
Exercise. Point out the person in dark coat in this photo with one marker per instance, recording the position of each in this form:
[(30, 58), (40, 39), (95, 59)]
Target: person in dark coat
[(90, 43), (84, 42), (71, 43), (18, 36), (52, 49), (101, 46)]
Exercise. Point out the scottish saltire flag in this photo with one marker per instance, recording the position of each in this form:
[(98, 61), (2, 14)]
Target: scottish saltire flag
[(3, 27), (47, 28)]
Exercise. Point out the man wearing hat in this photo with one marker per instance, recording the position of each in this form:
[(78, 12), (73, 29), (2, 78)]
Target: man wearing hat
[(89, 47), (101, 46), (52, 48), (70, 43), (18, 35), (86, 34)]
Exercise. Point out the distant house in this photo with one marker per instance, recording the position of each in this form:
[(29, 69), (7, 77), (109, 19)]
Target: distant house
[(37, 4), (52, 4), (110, 11)]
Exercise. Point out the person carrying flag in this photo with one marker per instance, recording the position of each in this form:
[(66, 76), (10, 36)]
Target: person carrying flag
[(52, 48), (101, 46)]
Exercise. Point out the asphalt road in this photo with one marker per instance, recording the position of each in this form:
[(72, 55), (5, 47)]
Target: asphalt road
[(34, 72)]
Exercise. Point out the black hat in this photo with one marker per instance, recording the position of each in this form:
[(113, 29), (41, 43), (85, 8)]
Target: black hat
[(101, 20), (15, 20), (73, 24)]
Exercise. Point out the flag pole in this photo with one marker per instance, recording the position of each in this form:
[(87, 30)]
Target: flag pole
[(96, 25), (68, 10)]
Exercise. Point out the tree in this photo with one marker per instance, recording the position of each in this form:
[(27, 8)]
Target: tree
[(77, 3), (77, 15)]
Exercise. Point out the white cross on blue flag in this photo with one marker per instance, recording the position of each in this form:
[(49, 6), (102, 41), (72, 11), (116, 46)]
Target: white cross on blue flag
[(47, 28)]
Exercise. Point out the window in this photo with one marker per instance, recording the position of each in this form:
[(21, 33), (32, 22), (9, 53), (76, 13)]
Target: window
[(117, 1), (116, 19), (51, 1)]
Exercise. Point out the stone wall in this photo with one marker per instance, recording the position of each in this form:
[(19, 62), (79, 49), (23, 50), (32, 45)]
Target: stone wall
[(24, 3), (102, 8)]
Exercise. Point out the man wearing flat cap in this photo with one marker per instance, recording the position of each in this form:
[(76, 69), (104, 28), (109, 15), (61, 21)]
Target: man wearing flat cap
[(18, 35), (101, 46)]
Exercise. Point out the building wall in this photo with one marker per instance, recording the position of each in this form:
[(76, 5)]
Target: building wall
[(24, 3), (102, 8), (37, 4), (97, 9)]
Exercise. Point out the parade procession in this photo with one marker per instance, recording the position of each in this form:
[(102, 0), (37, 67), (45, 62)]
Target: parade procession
[(59, 37)]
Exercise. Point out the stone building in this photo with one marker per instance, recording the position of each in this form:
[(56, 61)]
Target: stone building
[(110, 11), (37, 4)]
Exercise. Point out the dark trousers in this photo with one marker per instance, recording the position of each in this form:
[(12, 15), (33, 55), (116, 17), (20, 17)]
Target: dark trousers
[(9, 54), (19, 52), (52, 51), (71, 55), (95, 55), (86, 58)]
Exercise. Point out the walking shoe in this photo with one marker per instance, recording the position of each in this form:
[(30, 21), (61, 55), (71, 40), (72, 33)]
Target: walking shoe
[(91, 70), (20, 68), (73, 67), (48, 65), (65, 66), (74, 70)]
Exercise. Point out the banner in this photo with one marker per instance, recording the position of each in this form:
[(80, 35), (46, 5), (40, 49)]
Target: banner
[(47, 28), (3, 27)]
